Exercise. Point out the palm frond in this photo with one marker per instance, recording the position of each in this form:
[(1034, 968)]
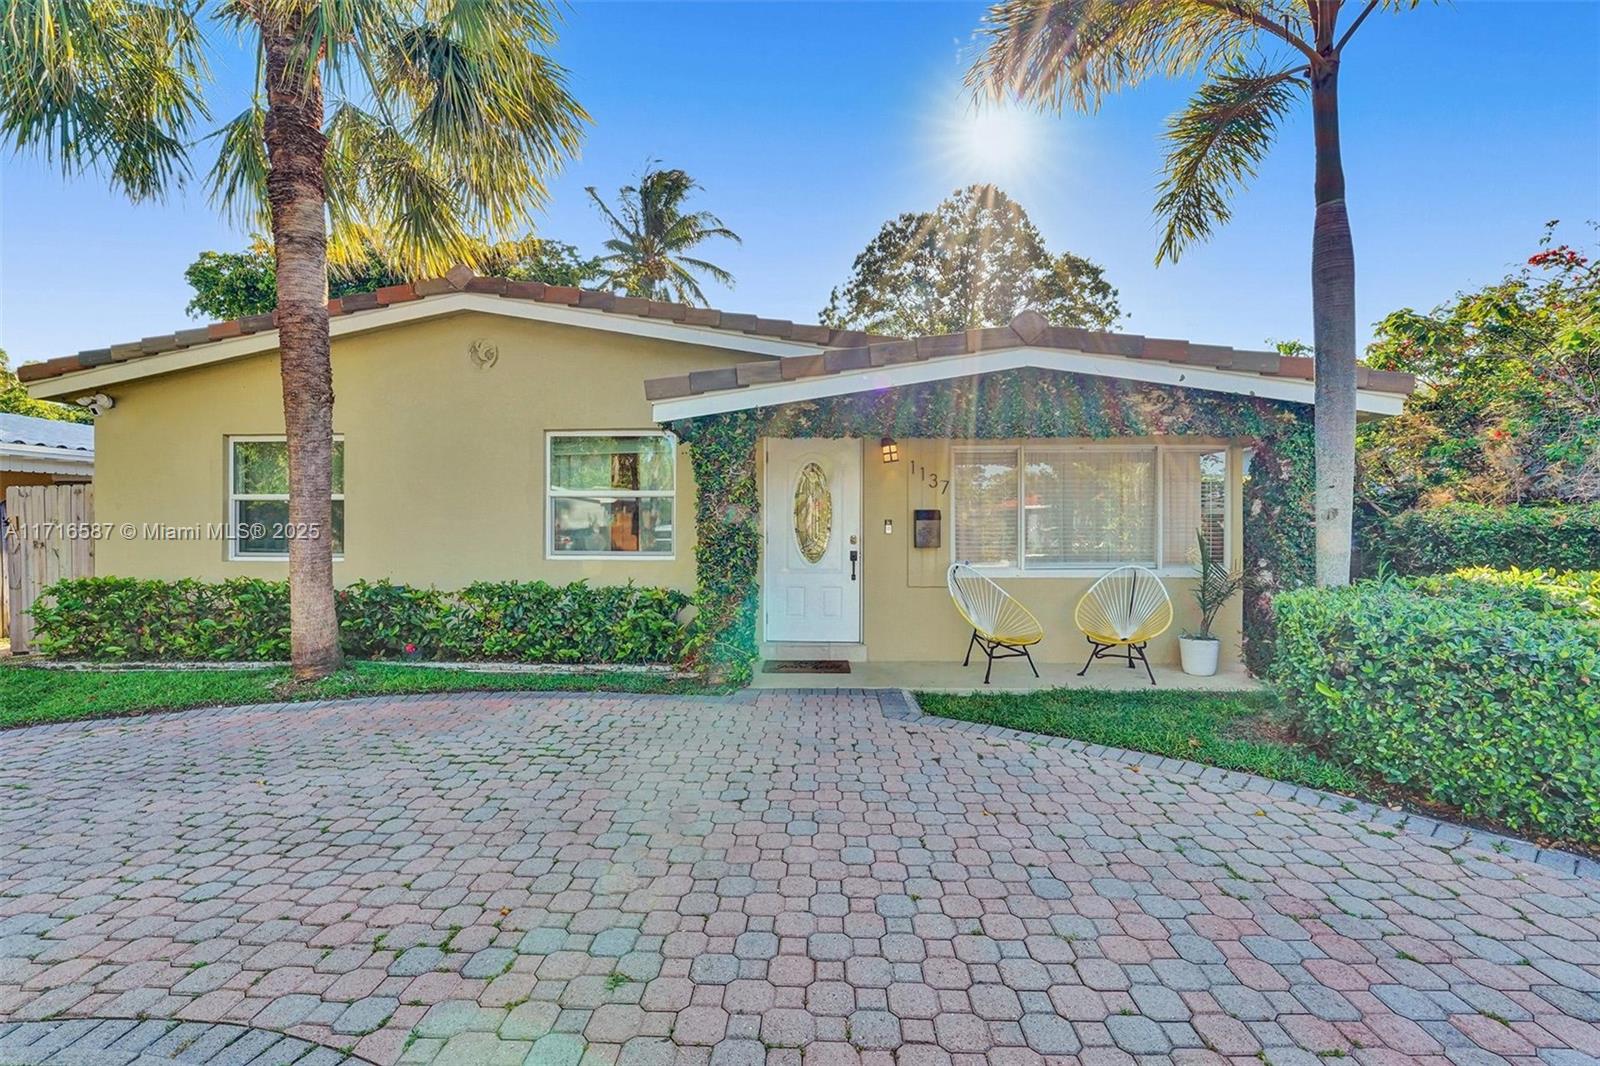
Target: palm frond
[(684, 287), (1051, 53), (688, 230), (617, 225), (475, 98), (444, 128), (711, 270), (112, 84), (1214, 145), (396, 202), (237, 181)]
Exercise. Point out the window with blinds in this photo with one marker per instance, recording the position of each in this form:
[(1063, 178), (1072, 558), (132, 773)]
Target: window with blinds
[(985, 504), (1059, 507), (1089, 508), (1194, 491)]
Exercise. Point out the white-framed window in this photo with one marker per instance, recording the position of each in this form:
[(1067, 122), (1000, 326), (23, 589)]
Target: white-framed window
[(1056, 508), (610, 494), (258, 497)]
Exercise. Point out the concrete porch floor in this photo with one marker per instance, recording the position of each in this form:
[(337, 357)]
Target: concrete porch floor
[(1010, 675)]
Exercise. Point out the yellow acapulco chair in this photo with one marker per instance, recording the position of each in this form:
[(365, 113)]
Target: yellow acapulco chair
[(1126, 608), (1001, 626)]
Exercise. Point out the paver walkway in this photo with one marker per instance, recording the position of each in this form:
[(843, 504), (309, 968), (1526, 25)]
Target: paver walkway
[(770, 879)]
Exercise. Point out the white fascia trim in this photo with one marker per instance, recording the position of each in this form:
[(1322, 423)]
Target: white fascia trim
[(81, 381), (31, 459), (1239, 383)]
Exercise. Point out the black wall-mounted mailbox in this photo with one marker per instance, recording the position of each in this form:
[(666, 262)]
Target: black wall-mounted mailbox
[(925, 528)]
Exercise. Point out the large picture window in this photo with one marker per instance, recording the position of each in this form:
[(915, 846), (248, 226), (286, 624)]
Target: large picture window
[(258, 497), (611, 494), (1058, 507)]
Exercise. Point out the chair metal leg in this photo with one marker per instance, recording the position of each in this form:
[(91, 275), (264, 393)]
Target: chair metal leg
[(1094, 653), (990, 668), (1029, 657), (968, 660), (1144, 659)]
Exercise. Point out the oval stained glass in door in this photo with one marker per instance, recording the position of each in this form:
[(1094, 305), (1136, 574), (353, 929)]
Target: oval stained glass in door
[(813, 512)]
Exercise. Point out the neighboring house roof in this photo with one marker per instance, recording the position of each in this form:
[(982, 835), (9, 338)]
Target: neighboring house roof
[(46, 433), (459, 290), (45, 446), (1029, 341)]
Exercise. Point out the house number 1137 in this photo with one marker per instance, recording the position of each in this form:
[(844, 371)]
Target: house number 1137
[(930, 478)]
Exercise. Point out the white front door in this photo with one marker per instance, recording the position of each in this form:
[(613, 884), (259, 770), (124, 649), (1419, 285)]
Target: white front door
[(811, 590)]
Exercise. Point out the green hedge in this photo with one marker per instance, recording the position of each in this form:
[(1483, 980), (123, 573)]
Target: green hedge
[(1441, 539), (109, 618), (1480, 690), (1573, 594)]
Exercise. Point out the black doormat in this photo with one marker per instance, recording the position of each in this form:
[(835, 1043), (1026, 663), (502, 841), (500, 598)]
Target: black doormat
[(805, 666)]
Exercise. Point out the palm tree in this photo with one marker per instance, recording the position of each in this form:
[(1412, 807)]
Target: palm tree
[(645, 257), (392, 128), (1257, 58)]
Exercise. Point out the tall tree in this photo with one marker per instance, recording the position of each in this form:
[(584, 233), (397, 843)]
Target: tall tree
[(974, 260), (1508, 404), (388, 127), (1257, 59), (646, 256), (232, 284)]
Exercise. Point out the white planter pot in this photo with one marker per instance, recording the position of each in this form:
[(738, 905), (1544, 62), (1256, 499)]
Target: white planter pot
[(1199, 656)]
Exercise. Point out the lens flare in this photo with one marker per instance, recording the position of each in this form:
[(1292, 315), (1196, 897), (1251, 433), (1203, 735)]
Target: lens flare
[(993, 143)]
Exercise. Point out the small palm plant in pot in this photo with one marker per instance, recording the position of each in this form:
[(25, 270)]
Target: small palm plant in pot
[(1217, 585)]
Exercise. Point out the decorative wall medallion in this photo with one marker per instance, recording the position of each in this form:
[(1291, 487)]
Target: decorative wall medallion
[(483, 354), (813, 512)]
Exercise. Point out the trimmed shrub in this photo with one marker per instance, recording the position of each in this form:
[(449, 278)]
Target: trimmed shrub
[(1440, 539), (1475, 690), (126, 618), (1573, 594), (538, 622), (247, 619), (378, 619)]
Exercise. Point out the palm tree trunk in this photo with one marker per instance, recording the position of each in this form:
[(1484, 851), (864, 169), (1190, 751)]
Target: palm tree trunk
[(1333, 313), (295, 150)]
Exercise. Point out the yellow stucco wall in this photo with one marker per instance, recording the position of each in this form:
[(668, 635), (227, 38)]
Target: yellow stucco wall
[(908, 615), (444, 462)]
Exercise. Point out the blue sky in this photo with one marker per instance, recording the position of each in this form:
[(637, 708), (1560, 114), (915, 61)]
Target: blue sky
[(1466, 127)]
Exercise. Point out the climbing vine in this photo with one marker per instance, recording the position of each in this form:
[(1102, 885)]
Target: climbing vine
[(1278, 532)]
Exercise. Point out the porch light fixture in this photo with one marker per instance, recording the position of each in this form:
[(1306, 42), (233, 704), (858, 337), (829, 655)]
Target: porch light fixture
[(890, 450)]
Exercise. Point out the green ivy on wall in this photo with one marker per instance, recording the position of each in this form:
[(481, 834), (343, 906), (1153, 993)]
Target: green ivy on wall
[(1278, 529)]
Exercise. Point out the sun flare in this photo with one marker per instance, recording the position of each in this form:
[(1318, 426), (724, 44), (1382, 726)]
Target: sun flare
[(993, 143)]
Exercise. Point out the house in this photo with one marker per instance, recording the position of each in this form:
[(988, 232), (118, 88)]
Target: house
[(813, 484)]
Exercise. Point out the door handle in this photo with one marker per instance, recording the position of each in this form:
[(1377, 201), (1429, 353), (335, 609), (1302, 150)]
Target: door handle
[(854, 555)]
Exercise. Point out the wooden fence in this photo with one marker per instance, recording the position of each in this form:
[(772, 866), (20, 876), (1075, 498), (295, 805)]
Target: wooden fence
[(5, 585), (47, 539)]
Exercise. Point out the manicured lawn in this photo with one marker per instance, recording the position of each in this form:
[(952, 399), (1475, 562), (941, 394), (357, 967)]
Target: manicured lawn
[(29, 695), (1236, 731)]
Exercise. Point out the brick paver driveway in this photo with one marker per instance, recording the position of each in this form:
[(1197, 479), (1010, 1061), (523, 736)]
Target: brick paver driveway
[(762, 880)]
